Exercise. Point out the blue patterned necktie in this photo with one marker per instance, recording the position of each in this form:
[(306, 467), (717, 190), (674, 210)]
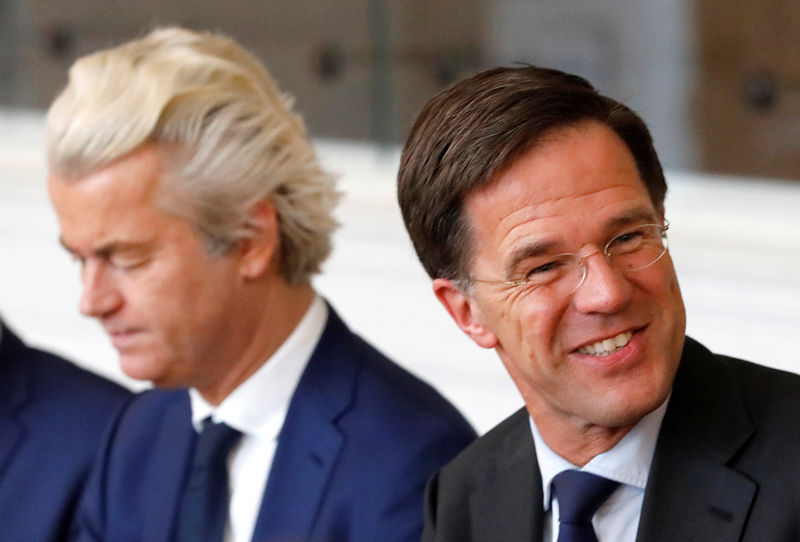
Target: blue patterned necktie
[(579, 496), (204, 508)]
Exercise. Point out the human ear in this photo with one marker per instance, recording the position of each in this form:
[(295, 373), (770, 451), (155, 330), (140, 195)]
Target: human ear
[(466, 312), (259, 248)]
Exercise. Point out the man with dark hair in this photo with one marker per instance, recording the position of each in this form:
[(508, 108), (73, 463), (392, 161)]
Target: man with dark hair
[(53, 415), (536, 205)]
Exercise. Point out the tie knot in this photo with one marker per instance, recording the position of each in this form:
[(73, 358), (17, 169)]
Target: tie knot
[(580, 494), (214, 443)]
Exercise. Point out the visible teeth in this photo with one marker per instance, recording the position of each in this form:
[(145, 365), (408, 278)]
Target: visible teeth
[(607, 346), (622, 339)]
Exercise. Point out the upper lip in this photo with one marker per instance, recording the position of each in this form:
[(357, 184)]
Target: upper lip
[(118, 330)]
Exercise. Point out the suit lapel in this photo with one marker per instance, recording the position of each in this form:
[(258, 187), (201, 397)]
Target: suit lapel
[(9, 444), (309, 442), (172, 461), (14, 391), (515, 501), (692, 495)]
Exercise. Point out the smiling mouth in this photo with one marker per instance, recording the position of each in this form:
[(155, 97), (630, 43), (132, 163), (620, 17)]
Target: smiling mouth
[(607, 346)]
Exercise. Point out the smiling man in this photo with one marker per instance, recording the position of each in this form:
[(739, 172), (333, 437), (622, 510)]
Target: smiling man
[(536, 205), (191, 196)]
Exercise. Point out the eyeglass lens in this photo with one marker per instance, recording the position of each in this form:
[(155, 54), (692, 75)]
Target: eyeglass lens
[(630, 251)]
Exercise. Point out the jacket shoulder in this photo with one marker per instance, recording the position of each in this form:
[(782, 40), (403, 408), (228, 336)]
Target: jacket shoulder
[(48, 387), (760, 386), (483, 457), (378, 388)]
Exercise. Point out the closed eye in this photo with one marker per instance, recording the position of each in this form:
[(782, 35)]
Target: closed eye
[(544, 268), (128, 263), (628, 237), (633, 240)]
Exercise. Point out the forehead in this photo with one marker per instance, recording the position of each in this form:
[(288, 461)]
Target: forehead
[(577, 179), (115, 203), (134, 176)]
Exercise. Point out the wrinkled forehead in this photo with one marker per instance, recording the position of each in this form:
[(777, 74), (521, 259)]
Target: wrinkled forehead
[(578, 184)]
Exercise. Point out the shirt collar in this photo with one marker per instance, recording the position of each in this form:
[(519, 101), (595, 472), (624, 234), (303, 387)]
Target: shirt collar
[(258, 405), (628, 462)]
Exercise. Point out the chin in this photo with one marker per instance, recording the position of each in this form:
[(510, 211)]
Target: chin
[(141, 367), (632, 413)]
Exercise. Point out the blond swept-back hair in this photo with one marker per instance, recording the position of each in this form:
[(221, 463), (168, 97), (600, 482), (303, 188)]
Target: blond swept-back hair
[(235, 137)]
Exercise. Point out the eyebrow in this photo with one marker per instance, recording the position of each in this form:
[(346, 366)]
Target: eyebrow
[(640, 214), (105, 250), (541, 247), (528, 250)]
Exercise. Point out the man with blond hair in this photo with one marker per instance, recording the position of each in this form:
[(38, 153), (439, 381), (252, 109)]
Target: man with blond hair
[(192, 198)]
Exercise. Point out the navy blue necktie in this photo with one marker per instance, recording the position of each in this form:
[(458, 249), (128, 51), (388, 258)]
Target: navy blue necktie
[(579, 496), (204, 508)]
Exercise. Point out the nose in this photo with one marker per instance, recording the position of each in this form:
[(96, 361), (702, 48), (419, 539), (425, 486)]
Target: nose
[(100, 296), (604, 289)]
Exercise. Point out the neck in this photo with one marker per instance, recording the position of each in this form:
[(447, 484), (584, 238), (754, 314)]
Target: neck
[(270, 323), (576, 441)]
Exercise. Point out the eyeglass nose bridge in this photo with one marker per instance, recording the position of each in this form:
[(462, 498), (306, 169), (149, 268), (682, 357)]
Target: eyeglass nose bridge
[(584, 270)]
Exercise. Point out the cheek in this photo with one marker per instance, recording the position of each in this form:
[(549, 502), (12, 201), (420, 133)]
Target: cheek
[(672, 302), (168, 300), (660, 285), (552, 325), (214, 292), (146, 294), (535, 332), (676, 292), (663, 276)]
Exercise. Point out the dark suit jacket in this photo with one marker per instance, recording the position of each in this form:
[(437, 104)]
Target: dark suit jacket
[(726, 466), (52, 419), (360, 439)]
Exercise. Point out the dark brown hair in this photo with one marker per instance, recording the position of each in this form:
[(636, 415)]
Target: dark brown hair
[(471, 132)]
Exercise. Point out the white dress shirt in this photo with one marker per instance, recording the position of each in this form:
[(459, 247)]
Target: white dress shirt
[(628, 463), (257, 408)]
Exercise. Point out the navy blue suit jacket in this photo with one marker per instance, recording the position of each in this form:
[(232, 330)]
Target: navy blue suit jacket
[(52, 419), (360, 439)]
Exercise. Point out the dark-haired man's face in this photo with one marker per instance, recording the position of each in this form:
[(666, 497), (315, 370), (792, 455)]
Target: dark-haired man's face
[(602, 355)]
